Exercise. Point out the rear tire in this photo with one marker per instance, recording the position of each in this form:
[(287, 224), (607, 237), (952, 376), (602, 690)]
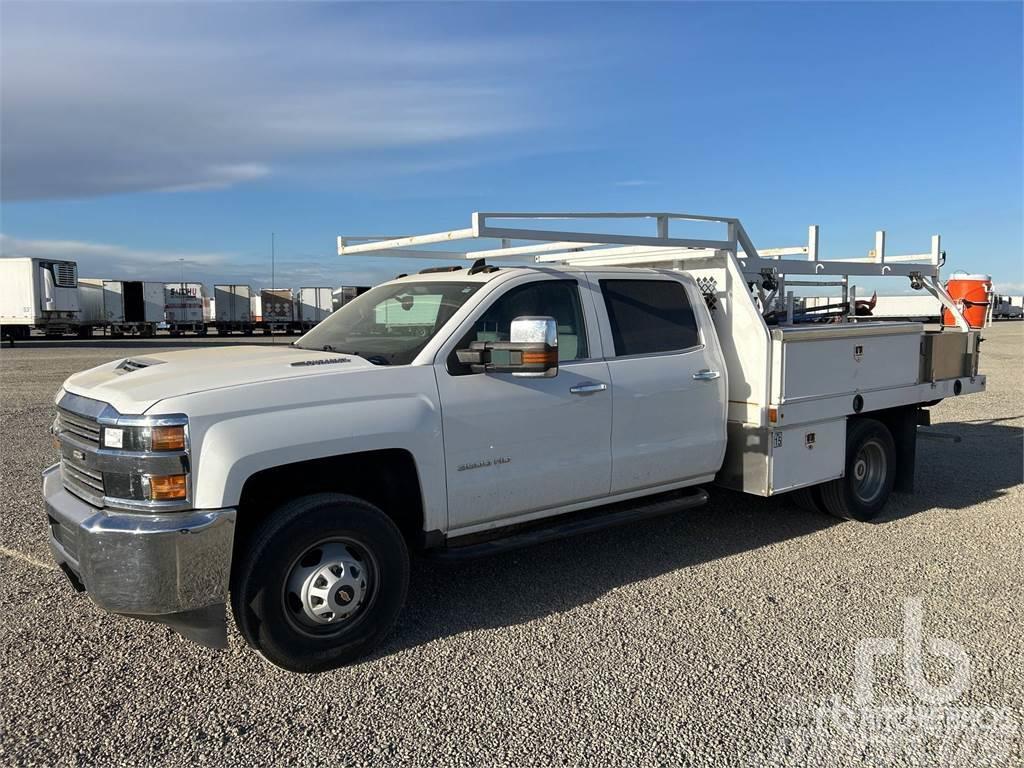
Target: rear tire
[(870, 473), (280, 583)]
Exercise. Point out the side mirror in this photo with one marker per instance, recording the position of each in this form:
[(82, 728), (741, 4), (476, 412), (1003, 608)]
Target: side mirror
[(532, 350)]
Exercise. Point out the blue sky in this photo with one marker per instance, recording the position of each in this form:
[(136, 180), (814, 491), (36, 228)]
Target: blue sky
[(135, 135)]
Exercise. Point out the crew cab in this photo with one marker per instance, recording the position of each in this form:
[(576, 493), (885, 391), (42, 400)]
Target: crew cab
[(459, 412)]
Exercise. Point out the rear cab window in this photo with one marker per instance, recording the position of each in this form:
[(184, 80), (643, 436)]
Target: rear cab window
[(649, 316)]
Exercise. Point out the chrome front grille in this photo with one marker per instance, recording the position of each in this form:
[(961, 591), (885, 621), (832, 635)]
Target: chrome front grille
[(84, 483), (79, 434), (81, 427)]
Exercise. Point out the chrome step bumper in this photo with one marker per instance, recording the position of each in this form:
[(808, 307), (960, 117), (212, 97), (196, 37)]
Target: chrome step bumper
[(173, 568)]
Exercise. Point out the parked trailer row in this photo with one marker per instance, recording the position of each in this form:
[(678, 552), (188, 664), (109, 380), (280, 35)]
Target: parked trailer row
[(48, 295), (272, 310)]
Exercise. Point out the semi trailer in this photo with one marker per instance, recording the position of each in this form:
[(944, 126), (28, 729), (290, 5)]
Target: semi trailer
[(312, 306), (39, 294), (183, 303), (278, 310), (233, 309), (134, 307), (464, 411)]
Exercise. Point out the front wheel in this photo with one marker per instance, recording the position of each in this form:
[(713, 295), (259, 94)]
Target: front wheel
[(322, 582), (870, 473)]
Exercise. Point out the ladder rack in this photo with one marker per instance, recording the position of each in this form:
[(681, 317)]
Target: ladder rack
[(767, 269)]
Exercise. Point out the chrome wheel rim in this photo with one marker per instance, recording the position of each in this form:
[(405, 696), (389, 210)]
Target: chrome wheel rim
[(870, 467), (330, 586)]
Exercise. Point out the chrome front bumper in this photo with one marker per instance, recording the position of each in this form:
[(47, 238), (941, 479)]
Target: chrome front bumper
[(172, 568)]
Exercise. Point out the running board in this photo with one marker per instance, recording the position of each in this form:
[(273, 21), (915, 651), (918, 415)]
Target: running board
[(573, 524)]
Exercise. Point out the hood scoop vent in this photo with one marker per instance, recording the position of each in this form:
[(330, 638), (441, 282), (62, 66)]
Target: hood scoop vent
[(128, 365)]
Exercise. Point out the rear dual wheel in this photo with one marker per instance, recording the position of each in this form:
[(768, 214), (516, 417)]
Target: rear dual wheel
[(870, 474)]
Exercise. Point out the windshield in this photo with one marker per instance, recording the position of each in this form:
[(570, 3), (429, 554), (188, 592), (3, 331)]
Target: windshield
[(390, 324)]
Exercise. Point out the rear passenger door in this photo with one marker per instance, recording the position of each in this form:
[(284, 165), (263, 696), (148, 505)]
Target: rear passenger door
[(668, 382)]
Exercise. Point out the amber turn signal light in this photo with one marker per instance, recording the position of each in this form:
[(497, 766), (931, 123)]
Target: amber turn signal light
[(167, 487), (541, 358), (168, 438)]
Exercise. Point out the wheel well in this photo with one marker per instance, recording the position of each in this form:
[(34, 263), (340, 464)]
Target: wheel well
[(387, 479)]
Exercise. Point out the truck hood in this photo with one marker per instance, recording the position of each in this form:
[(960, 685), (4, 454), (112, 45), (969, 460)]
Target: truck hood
[(136, 383)]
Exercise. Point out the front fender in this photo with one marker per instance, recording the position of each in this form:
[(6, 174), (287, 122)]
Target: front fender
[(230, 441)]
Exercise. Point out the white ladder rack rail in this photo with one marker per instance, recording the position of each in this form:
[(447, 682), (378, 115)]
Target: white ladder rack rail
[(589, 248)]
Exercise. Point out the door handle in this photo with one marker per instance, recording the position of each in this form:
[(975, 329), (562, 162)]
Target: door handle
[(588, 389), (706, 375)]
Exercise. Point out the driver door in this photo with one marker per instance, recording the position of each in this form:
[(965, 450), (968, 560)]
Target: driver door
[(516, 445)]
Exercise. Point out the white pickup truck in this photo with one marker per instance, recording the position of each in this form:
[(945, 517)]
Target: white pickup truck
[(464, 411)]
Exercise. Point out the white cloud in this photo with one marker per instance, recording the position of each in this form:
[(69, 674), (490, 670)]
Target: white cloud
[(634, 183), (101, 99)]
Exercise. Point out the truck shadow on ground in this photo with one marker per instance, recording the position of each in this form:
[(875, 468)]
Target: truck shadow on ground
[(531, 583)]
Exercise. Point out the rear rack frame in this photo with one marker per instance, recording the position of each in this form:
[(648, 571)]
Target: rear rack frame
[(767, 269)]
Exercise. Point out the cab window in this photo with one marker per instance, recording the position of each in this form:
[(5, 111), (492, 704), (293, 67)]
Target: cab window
[(559, 299)]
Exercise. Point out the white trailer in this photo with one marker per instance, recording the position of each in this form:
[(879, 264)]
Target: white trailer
[(184, 308), (133, 307), (313, 305), (38, 293), (346, 293), (90, 297), (233, 308), (256, 308)]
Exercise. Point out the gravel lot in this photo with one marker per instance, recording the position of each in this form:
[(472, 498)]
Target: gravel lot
[(709, 638)]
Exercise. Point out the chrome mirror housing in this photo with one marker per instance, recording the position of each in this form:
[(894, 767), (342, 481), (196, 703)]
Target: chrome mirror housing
[(531, 351)]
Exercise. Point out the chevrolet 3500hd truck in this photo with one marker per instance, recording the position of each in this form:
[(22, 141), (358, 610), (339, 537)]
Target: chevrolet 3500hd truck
[(464, 411)]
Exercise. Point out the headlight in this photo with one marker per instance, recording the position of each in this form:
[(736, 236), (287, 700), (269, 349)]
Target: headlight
[(146, 439)]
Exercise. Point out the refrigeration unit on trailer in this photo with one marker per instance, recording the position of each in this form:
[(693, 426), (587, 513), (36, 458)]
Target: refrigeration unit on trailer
[(313, 305), (184, 308), (133, 307), (40, 294), (278, 305), (232, 308)]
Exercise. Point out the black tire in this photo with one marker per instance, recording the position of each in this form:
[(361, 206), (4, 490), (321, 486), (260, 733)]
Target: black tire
[(809, 499), (863, 491), (272, 619)]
